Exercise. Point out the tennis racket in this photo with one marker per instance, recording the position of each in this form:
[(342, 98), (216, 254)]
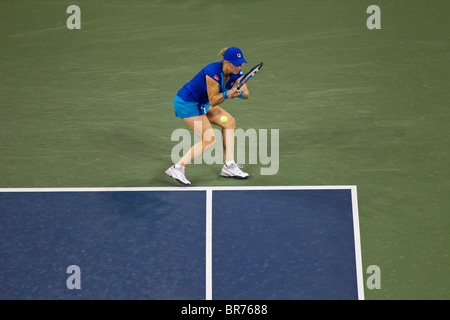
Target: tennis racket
[(249, 74)]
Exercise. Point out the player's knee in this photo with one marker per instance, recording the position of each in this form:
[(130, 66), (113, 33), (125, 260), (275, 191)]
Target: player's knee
[(231, 123)]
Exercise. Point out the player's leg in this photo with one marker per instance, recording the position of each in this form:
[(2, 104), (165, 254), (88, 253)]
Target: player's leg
[(202, 127), (194, 114), (228, 128), (230, 167)]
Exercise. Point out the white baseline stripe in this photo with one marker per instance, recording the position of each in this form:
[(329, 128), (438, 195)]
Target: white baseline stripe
[(106, 189)]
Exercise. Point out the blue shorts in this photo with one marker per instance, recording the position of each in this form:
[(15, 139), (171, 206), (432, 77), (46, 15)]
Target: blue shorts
[(185, 109)]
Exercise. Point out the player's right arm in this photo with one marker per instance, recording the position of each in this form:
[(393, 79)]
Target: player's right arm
[(244, 88), (216, 98)]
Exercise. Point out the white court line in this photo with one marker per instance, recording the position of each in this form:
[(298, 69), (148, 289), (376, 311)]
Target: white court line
[(106, 189), (357, 239), (208, 259), (209, 190)]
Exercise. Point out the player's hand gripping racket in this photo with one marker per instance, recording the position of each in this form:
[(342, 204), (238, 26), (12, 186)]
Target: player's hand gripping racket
[(249, 74)]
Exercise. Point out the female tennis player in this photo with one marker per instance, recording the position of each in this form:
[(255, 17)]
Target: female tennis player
[(197, 103)]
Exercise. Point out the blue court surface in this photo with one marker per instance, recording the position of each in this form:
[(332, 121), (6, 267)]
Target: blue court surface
[(221, 243)]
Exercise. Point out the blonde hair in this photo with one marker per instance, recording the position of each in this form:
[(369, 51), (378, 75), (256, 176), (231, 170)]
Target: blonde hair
[(222, 52)]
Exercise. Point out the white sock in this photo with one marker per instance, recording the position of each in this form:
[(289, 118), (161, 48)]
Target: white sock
[(229, 163), (179, 166)]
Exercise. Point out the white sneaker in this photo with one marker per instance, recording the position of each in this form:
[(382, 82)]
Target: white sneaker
[(233, 170), (178, 174)]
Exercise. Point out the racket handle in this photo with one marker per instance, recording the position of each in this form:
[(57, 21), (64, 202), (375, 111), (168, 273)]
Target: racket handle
[(241, 84)]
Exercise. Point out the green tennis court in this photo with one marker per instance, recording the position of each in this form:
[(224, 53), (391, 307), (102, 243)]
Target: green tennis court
[(93, 107)]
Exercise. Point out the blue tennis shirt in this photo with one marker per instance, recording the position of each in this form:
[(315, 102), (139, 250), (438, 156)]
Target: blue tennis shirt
[(196, 91)]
